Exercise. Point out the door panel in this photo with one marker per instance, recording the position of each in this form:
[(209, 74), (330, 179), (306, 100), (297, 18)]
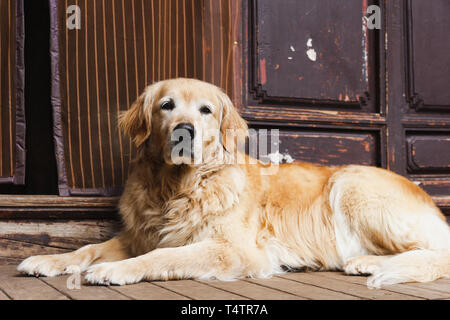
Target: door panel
[(419, 99), (428, 153), (428, 64), (312, 53), (329, 147), (12, 108)]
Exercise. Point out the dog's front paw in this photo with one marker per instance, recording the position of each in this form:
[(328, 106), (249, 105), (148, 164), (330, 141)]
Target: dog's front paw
[(47, 266), (363, 265), (116, 273)]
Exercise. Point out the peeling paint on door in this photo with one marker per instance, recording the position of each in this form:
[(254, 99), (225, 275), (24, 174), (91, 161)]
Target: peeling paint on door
[(262, 71), (311, 53)]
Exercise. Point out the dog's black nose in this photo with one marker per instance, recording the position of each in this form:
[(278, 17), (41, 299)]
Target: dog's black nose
[(187, 126)]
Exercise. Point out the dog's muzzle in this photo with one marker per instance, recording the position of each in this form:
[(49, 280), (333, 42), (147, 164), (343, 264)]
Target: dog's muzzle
[(183, 140)]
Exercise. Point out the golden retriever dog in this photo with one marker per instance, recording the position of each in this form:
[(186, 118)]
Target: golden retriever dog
[(217, 218)]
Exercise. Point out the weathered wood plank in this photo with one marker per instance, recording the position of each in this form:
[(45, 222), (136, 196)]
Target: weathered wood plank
[(3, 296), (438, 286), (302, 290), (197, 290), (56, 201), (405, 288), (85, 292), (55, 214), (18, 250), (8, 261), (66, 234), (43, 202), (148, 291), (54, 207), (318, 285), (26, 288), (345, 287), (252, 290)]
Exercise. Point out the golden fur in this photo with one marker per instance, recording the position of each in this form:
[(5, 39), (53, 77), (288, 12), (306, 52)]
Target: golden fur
[(219, 219)]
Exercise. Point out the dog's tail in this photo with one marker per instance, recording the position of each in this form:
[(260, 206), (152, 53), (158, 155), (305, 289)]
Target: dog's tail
[(421, 265)]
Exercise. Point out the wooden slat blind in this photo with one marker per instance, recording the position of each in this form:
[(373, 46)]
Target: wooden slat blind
[(101, 68), (12, 117)]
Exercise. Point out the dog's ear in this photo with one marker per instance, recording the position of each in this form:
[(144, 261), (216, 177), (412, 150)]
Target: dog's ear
[(233, 126), (136, 121)]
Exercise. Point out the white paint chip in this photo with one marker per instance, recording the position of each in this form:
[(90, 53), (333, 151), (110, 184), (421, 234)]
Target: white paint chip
[(312, 55), (278, 158)]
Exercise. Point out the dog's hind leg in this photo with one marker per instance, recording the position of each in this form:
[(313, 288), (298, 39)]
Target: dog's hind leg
[(412, 266), (377, 214), (76, 261)]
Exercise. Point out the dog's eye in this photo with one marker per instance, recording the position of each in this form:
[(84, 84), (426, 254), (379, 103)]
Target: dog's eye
[(168, 105), (205, 110)]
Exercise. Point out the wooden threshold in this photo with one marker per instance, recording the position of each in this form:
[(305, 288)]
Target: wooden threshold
[(39, 201), (35, 206), (56, 201), (43, 206)]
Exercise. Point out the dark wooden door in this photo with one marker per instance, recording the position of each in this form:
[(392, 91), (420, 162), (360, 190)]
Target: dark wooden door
[(342, 92), (419, 95)]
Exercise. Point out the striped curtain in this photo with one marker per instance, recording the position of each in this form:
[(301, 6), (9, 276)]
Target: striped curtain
[(12, 115), (99, 69)]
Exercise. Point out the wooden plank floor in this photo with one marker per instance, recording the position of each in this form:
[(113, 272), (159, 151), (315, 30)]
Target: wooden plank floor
[(289, 286)]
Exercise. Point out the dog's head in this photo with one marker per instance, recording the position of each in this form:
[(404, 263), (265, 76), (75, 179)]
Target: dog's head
[(184, 120)]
